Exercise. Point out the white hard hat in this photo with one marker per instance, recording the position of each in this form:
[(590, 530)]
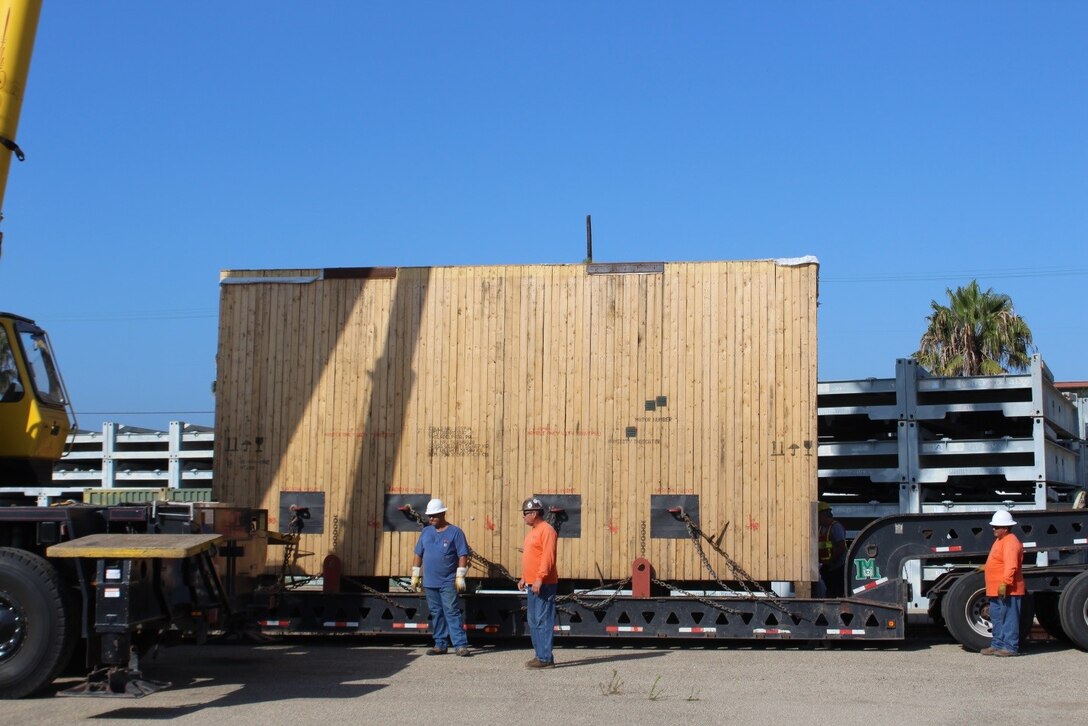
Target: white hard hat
[(435, 506), (1002, 518)]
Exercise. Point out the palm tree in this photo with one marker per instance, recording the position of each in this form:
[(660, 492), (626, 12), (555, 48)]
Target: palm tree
[(977, 333)]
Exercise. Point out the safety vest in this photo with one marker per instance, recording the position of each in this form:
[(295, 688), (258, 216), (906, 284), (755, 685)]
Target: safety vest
[(825, 545)]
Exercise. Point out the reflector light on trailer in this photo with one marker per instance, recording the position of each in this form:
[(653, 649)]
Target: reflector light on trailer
[(409, 626), (482, 626), (953, 548), (561, 628), (1031, 544), (623, 629), (341, 624), (698, 630), (273, 623), (846, 631), (870, 586), (1081, 540), (771, 631)]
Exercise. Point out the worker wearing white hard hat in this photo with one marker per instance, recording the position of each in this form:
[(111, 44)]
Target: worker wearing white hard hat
[(440, 564), (1005, 586)]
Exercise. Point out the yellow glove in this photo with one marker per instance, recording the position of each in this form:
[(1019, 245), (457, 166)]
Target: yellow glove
[(415, 579), (459, 579), (1002, 590)]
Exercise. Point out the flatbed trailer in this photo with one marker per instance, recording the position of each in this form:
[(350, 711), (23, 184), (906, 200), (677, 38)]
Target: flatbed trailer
[(122, 579)]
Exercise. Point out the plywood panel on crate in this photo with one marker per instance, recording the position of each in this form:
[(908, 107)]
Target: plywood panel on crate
[(483, 385)]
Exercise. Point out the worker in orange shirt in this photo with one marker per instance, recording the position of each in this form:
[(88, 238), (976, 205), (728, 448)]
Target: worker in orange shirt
[(1005, 586), (540, 580)]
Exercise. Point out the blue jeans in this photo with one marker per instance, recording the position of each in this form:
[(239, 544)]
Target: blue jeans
[(1005, 618), (446, 622), (540, 612)]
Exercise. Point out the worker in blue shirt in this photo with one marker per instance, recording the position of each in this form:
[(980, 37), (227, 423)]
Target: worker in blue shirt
[(442, 555)]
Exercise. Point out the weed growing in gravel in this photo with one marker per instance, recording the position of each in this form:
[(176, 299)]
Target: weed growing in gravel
[(614, 687), (656, 692)]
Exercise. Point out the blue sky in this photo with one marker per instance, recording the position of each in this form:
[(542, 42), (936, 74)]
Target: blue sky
[(910, 147)]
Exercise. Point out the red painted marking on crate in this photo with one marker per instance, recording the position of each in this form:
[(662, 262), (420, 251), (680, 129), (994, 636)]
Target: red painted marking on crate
[(623, 629), (409, 626), (953, 548), (870, 586), (489, 524)]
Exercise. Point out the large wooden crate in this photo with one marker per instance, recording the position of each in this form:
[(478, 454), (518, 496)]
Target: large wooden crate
[(615, 391)]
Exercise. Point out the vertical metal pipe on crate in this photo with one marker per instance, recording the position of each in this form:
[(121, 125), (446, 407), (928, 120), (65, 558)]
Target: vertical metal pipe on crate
[(174, 467), (109, 452)]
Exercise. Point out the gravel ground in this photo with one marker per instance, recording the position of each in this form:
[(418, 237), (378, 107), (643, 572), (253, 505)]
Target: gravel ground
[(925, 679)]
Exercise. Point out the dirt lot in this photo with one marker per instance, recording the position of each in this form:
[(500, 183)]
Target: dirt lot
[(927, 679)]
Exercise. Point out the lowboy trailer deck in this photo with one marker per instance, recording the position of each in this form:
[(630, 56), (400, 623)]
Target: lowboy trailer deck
[(122, 579)]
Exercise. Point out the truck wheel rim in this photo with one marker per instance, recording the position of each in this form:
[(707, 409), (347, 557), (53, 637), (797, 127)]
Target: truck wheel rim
[(978, 614), (12, 627)]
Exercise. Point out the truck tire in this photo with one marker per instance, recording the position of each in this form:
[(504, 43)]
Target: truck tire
[(1073, 607), (36, 633), (966, 612), (1048, 615)]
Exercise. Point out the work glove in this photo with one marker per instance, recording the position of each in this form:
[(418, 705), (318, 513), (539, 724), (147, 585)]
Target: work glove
[(415, 579), (459, 579), (1002, 590)]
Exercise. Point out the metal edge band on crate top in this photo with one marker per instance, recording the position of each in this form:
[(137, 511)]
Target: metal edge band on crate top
[(300, 280), (359, 273), (625, 268), (328, 273)]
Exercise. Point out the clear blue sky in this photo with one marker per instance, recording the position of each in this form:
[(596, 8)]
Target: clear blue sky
[(910, 147)]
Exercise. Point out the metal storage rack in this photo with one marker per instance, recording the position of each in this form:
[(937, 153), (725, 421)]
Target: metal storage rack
[(924, 443), (122, 456)]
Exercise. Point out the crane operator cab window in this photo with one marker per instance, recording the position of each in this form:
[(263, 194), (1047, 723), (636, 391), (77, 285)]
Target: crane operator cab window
[(43, 372), (34, 347), (11, 388)]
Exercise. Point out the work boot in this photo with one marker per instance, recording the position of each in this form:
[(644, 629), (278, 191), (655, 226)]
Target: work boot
[(1005, 653), (463, 652), (987, 651), (436, 651), (534, 663)]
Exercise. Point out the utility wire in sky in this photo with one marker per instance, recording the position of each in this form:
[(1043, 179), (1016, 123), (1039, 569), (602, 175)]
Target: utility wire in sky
[(968, 275)]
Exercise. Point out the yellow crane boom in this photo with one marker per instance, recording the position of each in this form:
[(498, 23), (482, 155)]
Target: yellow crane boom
[(18, 27)]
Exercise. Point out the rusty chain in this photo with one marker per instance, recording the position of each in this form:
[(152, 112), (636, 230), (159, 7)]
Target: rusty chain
[(745, 580), (696, 534), (473, 555), (615, 587)]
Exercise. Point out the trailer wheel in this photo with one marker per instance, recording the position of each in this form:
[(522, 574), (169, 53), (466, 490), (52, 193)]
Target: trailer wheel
[(1073, 607), (36, 634), (966, 612), (1048, 615)]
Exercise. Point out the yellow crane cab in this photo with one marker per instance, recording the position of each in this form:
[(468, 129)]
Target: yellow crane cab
[(34, 421)]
